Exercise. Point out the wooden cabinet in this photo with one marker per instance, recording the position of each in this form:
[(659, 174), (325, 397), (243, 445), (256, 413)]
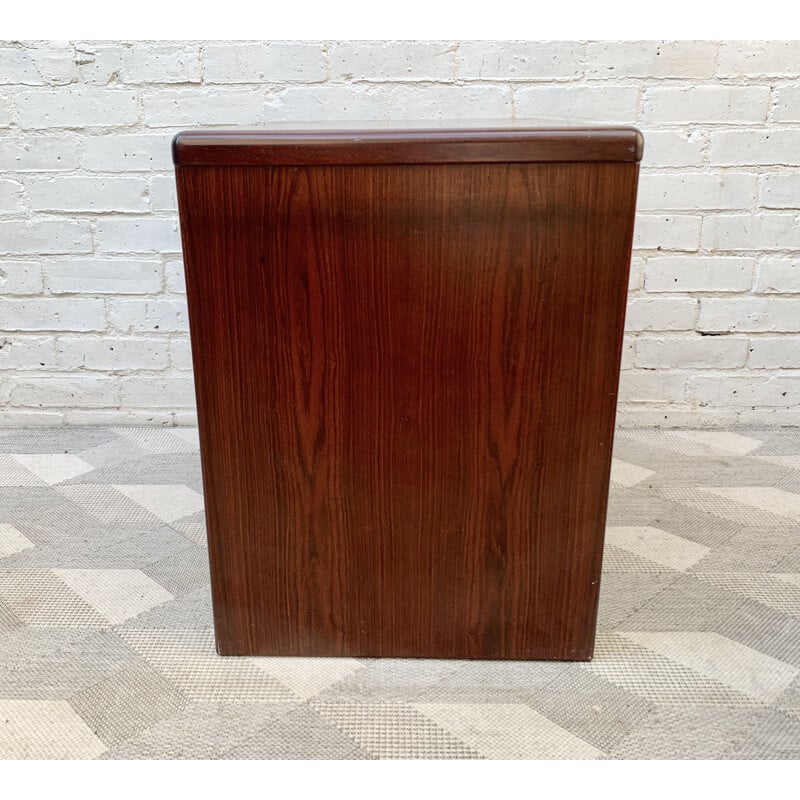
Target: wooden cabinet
[(406, 349)]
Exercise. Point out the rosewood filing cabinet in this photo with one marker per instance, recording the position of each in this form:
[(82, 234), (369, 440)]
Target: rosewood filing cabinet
[(406, 348)]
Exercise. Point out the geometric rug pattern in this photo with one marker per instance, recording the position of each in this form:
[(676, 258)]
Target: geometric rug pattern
[(107, 647)]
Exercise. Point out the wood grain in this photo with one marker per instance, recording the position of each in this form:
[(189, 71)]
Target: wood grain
[(406, 380), (243, 148)]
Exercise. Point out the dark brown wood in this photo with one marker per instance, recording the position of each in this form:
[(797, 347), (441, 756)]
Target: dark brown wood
[(406, 381), (305, 148)]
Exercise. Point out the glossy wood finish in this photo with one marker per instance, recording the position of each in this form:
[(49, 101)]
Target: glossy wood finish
[(406, 380), (245, 148)]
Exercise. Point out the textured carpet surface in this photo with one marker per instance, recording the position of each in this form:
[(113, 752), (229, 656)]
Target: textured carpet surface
[(107, 650)]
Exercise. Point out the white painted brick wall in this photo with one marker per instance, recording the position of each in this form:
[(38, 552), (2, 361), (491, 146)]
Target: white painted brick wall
[(73, 108), (591, 102), (755, 148), (759, 59), (83, 193), (780, 191), (34, 152), (268, 62), (160, 64), (767, 231), (380, 61), (111, 276), (93, 322), (45, 236), (699, 352), (20, 277), (697, 190), (778, 276), (119, 354), (519, 61), (773, 352), (681, 105), (651, 59), (755, 314), (699, 274), (162, 314), (53, 314)]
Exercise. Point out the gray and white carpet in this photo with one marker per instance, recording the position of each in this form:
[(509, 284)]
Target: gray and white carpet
[(106, 646)]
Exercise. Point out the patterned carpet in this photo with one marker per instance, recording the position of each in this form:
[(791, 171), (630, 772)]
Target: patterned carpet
[(106, 649)]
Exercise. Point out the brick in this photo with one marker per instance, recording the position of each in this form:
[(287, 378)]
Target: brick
[(776, 146), (104, 276), (673, 148), (164, 315), (161, 63), (695, 190), (11, 198), (651, 59), (162, 193), (636, 274), (27, 352), (180, 353), (77, 108), (5, 112), (776, 314), (780, 191), (786, 107), (111, 353), (519, 61), (779, 275), (749, 390), (45, 237), (783, 417), (119, 416), (20, 277), (264, 62), (170, 108), (661, 314), (175, 277), (88, 193), (651, 387), (55, 62), (774, 352), (39, 153), (774, 58), (30, 418), (671, 232), (99, 64), (326, 102), (392, 61), (764, 232), (174, 391), (52, 314), (699, 274), (695, 352), (451, 102), (739, 104), (18, 67), (51, 64), (628, 352), (127, 152), (65, 390), (673, 416), (580, 104), (138, 235)]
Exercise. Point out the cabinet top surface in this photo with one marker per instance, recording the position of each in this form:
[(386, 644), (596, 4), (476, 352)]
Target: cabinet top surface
[(433, 142)]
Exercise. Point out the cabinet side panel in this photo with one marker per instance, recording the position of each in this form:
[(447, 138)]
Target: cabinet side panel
[(406, 380)]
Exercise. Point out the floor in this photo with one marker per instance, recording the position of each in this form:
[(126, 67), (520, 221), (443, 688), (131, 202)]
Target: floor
[(106, 648)]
